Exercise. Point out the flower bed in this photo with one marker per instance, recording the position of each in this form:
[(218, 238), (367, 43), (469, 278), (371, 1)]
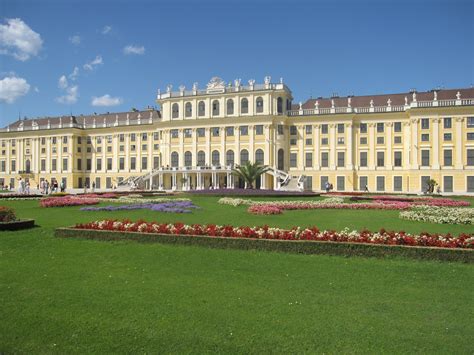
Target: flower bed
[(266, 210), (309, 234), (252, 192), (169, 207), (9, 221), (67, 201), (15, 196), (240, 201), (7, 214), (428, 201), (439, 215), (127, 199)]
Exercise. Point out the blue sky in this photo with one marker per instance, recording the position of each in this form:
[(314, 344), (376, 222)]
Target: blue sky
[(318, 47)]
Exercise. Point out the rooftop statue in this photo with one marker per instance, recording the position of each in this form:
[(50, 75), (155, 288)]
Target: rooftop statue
[(216, 83)]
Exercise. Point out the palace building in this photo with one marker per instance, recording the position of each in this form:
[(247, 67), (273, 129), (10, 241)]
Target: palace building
[(388, 142)]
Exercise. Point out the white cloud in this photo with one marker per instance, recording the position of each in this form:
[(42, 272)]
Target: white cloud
[(72, 94), (19, 40), (76, 40), (74, 74), (106, 30), (91, 65), (36, 89), (134, 50), (62, 82), (12, 88), (106, 100)]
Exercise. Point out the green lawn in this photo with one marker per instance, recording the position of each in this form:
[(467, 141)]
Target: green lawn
[(80, 296)]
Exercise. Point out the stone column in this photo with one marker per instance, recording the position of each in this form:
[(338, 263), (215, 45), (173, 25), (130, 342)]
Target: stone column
[(414, 143), (349, 149), (301, 163), (371, 157), (316, 142), (237, 145), (389, 137), (332, 144), (435, 143), (406, 145), (459, 164)]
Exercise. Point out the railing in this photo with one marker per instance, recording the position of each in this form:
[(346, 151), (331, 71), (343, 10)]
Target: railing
[(379, 109)]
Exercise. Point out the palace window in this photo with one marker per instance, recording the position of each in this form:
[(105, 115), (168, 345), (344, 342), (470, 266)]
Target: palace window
[(244, 106), (448, 157), (121, 163), (244, 130), (229, 131), (397, 127), (174, 159), (229, 157), (324, 141), (65, 160), (88, 164), (470, 122), (53, 140), (293, 141), (188, 109), (13, 165), (380, 140), (259, 156), (309, 159), (340, 140), (155, 136), (397, 183), (156, 162), (133, 137), (470, 157), (215, 108), (309, 129), (244, 156), (188, 133), (397, 139), (324, 129), (470, 136), (380, 127), (201, 158), (215, 157), (156, 146), (43, 164), (215, 131), (425, 137), (144, 146), (447, 122), (279, 105), (380, 159), (259, 130), (341, 159), (363, 128), (98, 164), (380, 183), (425, 123), (293, 130), (188, 159), (340, 183), (309, 141), (144, 137), (201, 132), (43, 141), (425, 157), (122, 148), (363, 140), (447, 137), (397, 158), (293, 160), (175, 111), (133, 163), (201, 108), (324, 159), (174, 133), (363, 159), (259, 103), (340, 128), (230, 107), (109, 163), (280, 130)]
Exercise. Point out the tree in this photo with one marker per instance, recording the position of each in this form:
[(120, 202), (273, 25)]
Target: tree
[(250, 172), (431, 185)]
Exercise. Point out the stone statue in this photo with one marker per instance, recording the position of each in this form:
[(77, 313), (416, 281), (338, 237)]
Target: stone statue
[(169, 87), (332, 103), (389, 102), (435, 93), (267, 80), (316, 104), (301, 105), (281, 80), (195, 86), (371, 103), (406, 100), (252, 82), (182, 88), (349, 100), (237, 83), (458, 95), (216, 83), (414, 96)]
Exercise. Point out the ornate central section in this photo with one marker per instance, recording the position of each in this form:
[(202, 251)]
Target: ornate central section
[(215, 85)]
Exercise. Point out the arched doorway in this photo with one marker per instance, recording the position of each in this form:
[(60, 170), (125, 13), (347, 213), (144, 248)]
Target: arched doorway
[(281, 159), (27, 166)]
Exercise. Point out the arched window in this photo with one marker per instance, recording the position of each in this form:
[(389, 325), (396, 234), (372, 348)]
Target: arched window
[(280, 105), (281, 159), (201, 158), (188, 159), (259, 156), (244, 106), (215, 157), (230, 107), (188, 109), (229, 157), (174, 159), (201, 108), (244, 156), (175, 111), (288, 105), (215, 108), (259, 103)]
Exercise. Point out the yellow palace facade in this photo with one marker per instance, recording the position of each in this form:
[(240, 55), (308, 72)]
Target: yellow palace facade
[(387, 143)]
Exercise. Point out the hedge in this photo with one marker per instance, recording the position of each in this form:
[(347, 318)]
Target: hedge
[(290, 246)]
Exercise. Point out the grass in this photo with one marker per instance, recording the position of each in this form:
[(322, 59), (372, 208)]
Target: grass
[(81, 296)]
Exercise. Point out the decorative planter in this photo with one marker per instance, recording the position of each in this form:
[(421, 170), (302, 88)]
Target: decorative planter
[(291, 246), (17, 225)]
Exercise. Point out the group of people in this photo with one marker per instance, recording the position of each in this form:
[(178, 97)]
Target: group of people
[(23, 187), (47, 187)]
